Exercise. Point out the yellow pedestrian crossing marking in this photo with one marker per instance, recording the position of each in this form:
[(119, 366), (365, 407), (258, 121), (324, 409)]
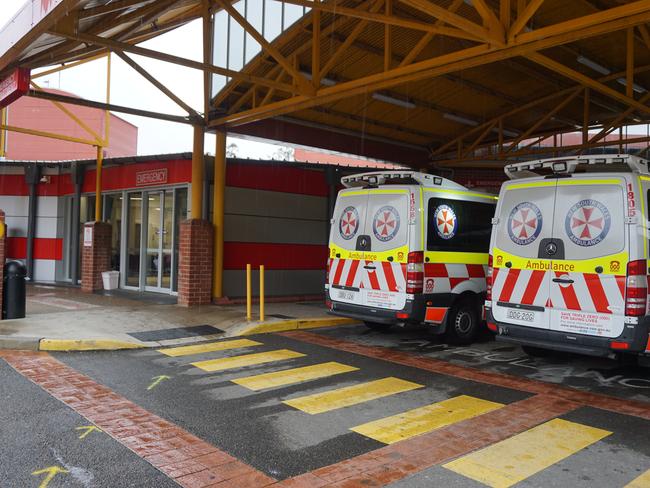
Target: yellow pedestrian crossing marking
[(642, 481), (210, 347), (425, 419), (351, 395), (292, 376), (513, 460), (222, 364)]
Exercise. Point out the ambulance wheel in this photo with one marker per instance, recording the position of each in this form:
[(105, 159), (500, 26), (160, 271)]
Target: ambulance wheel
[(536, 352), (377, 326), (463, 322)]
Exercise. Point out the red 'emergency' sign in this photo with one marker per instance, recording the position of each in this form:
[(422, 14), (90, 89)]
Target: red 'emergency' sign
[(14, 86)]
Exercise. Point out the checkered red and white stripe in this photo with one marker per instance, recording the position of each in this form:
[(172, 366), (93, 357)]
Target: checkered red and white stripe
[(589, 292), (359, 274), (446, 277)]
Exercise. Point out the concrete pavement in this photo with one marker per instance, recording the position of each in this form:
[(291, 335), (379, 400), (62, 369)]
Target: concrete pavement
[(64, 318)]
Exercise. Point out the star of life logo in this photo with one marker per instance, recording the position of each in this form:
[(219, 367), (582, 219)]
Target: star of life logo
[(524, 223), (587, 222), (386, 223), (446, 222), (349, 223)]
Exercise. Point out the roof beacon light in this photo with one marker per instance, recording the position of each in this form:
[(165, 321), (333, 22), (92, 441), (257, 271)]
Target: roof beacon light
[(568, 165)]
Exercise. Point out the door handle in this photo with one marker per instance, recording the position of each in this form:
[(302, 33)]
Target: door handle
[(562, 280), (369, 267)]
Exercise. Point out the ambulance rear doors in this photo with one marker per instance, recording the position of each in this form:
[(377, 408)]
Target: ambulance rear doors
[(560, 255), (369, 246)]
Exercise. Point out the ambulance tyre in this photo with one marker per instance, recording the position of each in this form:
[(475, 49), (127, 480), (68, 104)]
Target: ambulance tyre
[(463, 322), (378, 327)]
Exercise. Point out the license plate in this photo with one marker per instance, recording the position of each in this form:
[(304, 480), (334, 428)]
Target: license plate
[(522, 315), (345, 295)]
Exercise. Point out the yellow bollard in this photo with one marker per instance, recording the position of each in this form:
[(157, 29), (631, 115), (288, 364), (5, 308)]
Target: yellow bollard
[(249, 293), (261, 293)]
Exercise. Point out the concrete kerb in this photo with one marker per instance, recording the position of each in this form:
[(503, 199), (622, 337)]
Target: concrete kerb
[(106, 344), (285, 325)]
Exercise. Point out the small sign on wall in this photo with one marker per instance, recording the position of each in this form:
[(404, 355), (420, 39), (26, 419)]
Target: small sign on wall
[(88, 236), (151, 177)]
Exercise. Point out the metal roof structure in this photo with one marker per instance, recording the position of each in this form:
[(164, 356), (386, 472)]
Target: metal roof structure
[(446, 82)]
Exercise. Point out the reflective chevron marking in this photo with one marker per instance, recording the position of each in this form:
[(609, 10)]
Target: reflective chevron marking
[(351, 395), (425, 419), (222, 364), (513, 460), (210, 347), (293, 376)]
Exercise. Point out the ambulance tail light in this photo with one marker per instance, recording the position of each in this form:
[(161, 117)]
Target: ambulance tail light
[(327, 273), (488, 280), (415, 272), (636, 288)]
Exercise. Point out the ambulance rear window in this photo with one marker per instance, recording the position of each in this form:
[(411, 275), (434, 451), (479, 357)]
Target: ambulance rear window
[(459, 226)]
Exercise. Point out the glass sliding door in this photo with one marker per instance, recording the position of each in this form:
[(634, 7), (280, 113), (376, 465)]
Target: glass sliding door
[(150, 253), (133, 239)]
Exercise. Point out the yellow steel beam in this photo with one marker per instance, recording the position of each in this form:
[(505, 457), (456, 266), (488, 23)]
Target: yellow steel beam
[(302, 82), (343, 48), (523, 18), (73, 64), (619, 118), (504, 14), (149, 53), (98, 184), (73, 117), (629, 62), (315, 47), (451, 18), (428, 37), (196, 211), (151, 79), (645, 35), (490, 20), (107, 114), (478, 140), (218, 213), (51, 135), (393, 19), (545, 118), (590, 25), (208, 39), (586, 81), (3, 133), (388, 42)]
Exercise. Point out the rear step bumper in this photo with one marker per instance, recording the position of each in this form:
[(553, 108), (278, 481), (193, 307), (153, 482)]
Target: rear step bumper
[(414, 308), (636, 336)]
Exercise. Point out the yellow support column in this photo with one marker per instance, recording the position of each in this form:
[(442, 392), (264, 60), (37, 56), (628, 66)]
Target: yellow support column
[(3, 133), (197, 174), (218, 212), (98, 184), (249, 293), (262, 293)]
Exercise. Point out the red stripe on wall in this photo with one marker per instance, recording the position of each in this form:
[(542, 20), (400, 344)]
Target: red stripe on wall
[(277, 178), (44, 248), (274, 256)]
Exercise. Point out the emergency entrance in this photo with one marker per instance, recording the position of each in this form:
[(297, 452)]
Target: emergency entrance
[(149, 248)]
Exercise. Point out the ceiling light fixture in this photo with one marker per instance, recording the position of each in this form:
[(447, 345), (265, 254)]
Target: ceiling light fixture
[(460, 120), (635, 87), (594, 65), (506, 132), (393, 101)]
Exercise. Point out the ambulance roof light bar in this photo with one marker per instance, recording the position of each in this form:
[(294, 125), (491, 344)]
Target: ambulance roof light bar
[(377, 178), (568, 164)]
